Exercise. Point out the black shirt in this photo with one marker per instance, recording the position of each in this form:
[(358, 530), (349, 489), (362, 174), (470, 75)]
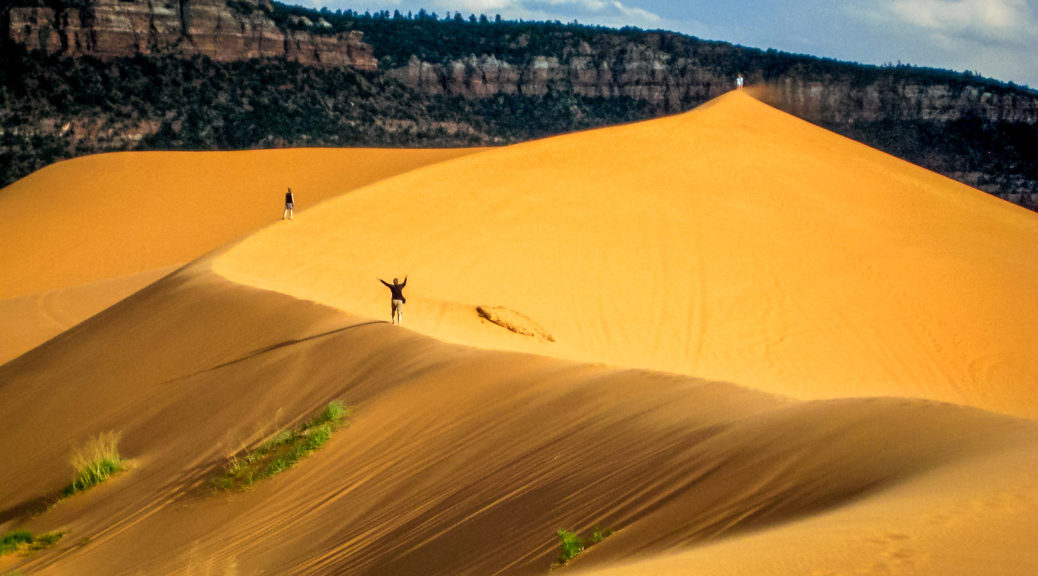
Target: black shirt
[(396, 289)]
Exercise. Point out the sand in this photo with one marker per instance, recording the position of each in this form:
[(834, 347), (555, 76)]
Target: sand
[(749, 371), (32, 320), (120, 214), (91, 231), (732, 242)]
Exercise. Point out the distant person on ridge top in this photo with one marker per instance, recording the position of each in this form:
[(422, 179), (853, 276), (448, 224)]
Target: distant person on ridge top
[(397, 289), (738, 82), (290, 204)]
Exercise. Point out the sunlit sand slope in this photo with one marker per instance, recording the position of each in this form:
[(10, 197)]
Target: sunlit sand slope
[(115, 215), (463, 461), (733, 242)]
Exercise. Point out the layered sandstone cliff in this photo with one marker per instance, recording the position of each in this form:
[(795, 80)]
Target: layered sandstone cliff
[(672, 82), (218, 29), (669, 83), (664, 70), (838, 101)]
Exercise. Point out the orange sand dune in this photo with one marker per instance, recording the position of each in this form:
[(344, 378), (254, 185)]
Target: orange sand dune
[(115, 215), (733, 242), (687, 313), (462, 461)]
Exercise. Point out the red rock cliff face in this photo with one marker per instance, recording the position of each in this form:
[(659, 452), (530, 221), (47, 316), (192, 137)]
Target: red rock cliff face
[(615, 69), (112, 28), (843, 102)]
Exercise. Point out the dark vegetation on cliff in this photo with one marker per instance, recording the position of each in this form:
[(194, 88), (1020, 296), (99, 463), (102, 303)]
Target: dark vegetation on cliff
[(474, 80), (56, 107)]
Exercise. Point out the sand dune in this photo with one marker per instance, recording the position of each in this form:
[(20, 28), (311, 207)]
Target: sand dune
[(463, 461), (115, 215), (729, 336), (734, 242), (32, 320)]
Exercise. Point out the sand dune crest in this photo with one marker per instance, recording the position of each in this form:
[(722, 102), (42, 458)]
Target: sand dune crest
[(733, 242)]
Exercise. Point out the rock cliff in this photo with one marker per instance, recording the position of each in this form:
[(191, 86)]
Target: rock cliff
[(672, 82), (668, 71), (839, 101), (224, 31), (607, 70)]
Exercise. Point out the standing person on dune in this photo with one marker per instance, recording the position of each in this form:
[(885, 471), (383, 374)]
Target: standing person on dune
[(290, 204), (398, 299)]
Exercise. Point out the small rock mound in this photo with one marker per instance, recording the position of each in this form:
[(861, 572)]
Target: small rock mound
[(513, 322)]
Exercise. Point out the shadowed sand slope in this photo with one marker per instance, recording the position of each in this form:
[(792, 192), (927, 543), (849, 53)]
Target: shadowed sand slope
[(734, 242), (116, 215), (462, 461), (29, 321)]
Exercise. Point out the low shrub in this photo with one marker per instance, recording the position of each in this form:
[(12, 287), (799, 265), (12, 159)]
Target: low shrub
[(599, 534), (571, 544), (283, 450), (25, 541), (95, 462), (13, 540)]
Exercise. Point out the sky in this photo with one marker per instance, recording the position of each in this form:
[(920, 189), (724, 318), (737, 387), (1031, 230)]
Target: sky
[(994, 38)]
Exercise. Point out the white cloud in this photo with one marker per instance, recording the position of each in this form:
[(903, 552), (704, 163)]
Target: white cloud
[(480, 6), (636, 14), (991, 21), (996, 38), (607, 12)]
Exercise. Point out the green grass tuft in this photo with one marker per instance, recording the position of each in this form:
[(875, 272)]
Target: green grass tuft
[(95, 462), (13, 540), (25, 541), (571, 544), (334, 413), (283, 450)]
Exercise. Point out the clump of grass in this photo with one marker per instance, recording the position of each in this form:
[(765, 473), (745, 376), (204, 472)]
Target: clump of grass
[(599, 534), (25, 541), (95, 462), (283, 450), (14, 540), (571, 544)]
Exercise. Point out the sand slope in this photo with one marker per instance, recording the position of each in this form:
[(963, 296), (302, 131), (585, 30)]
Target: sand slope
[(463, 461), (31, 320), (706, 298), (115, 215), (733, 242), (88, 232)]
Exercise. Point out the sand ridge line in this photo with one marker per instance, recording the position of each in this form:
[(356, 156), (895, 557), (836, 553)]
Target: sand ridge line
[(767, 259)]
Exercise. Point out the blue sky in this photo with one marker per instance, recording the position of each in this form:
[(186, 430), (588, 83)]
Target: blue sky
[(997, 38)]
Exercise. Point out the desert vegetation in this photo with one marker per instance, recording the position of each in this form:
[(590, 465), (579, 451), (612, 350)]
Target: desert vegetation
[(95, 462), (283, 450), (23, 541), (572, 544)]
